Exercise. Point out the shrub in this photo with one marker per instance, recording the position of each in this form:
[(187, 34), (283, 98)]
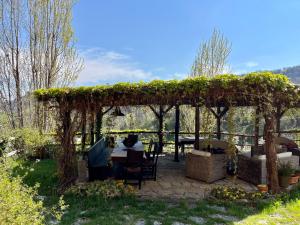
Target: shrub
[(234, 193), (19, 203), (285, 169), (26, 141), (104, 189)]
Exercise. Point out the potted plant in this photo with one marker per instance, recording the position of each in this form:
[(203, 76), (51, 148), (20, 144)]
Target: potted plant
[(285, 171), (297, 173), (263, 188)]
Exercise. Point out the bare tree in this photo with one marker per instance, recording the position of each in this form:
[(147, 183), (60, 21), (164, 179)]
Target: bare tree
[(53, 58), (212, 56), (11, 58), (36, 51), (211, 60)]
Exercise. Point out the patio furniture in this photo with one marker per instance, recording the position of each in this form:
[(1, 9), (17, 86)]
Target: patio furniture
[(253, 169), (98, 166), (204, 166), (290, 145), (150, 164), (182, 141), (133, 168), (119, 153)]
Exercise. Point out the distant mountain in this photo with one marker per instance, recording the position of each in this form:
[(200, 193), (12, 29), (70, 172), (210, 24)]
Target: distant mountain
[(292, 72)]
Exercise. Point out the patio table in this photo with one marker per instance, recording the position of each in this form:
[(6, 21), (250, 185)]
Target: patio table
[(182, 141), (119, 153)]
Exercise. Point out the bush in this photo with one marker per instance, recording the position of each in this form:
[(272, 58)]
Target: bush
[(19, 203), (285, 169), (233, 193), (26, 141), (104, 189)]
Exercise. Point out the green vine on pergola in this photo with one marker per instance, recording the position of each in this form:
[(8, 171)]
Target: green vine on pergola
[(264, 90)]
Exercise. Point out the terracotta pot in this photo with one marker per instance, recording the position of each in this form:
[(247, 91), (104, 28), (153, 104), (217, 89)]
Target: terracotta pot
[(297, 174), (283, 181), (263, 188), (293, 179)]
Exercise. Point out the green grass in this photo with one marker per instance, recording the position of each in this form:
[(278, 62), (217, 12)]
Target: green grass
[(91, 210)]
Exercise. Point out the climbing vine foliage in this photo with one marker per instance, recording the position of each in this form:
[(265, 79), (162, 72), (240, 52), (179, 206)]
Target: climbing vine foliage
[(249, 89)]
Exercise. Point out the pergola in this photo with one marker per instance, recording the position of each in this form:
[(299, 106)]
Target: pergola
[(271, 94)]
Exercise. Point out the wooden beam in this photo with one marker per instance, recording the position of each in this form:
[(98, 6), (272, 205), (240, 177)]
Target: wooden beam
[(177, 129), (154, 111), (167, 109), (107, 110), (197, 127)]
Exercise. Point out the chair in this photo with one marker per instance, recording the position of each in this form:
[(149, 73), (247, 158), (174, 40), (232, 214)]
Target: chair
[(150, 164), (98, 165), (254, 169), (149, 151), (133, 168), (204, 166)]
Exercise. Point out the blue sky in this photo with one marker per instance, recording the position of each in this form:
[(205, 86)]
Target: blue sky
[(132, 40)]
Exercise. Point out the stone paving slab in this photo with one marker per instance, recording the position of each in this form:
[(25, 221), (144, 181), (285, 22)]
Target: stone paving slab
[(172, 183)]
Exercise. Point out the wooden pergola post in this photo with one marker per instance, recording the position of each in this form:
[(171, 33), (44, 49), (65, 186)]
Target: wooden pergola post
[(256, 130), (160, 116), (99, 117), (271, 154), (279, 113), (218, 115), (197, 127), (177, 129), (161, 127), (92, 127), (83, 130)]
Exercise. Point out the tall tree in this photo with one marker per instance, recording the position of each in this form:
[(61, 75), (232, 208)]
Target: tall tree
[(11, 59), (212, 56), (36, 51), (53, 58)]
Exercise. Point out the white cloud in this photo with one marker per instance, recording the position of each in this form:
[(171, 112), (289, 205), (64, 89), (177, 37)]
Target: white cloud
[(251, 64), (102, 66)]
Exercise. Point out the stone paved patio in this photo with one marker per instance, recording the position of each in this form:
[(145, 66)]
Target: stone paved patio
[(172, 183)]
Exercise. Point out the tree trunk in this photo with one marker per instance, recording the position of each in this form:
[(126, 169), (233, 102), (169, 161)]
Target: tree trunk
[(271, 154)]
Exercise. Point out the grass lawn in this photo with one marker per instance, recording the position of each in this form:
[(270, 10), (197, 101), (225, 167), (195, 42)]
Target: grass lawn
[(92, 210)]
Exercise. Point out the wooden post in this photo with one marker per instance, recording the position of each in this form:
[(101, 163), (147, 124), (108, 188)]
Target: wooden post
[(177, 128), (99, 117), (92, 126), (218, 115), (256, 130), (83, 131), (197, 127), (160, 128), (219, 123), (271, 155), (160, 116), (279, 114)]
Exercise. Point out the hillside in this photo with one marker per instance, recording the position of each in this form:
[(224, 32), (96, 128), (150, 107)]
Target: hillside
[(292, 72)]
